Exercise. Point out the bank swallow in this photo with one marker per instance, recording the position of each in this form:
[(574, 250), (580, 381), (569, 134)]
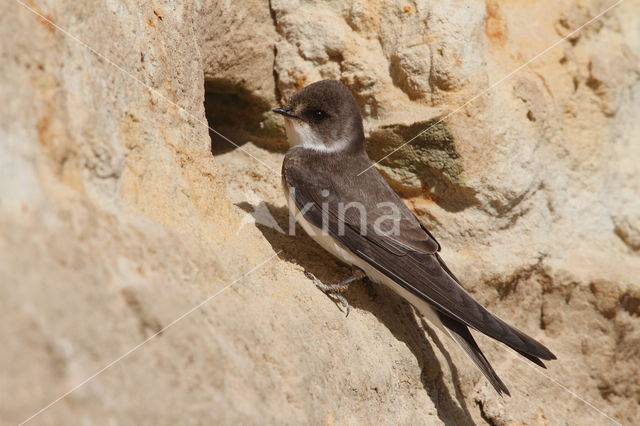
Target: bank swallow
[(362, 221)]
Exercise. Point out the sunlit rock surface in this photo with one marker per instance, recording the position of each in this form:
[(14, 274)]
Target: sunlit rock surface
[(120, 211)]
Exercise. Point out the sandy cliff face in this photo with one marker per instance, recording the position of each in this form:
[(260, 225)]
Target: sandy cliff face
[(118, 214)]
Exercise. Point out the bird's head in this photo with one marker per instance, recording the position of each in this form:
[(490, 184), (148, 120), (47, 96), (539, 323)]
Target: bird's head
[(323, 116)]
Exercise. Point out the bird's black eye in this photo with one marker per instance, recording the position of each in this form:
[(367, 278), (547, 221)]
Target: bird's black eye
[(318, 115)]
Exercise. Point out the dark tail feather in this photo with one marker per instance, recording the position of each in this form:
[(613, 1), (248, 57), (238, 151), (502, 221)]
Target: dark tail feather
[(532, 358), (461, 334), (496, 328)]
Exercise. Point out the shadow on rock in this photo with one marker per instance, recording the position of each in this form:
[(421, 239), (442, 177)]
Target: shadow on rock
[(393, 311), (235, 116)]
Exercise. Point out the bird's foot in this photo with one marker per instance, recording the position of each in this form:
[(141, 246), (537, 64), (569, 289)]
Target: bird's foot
[(332, 289)]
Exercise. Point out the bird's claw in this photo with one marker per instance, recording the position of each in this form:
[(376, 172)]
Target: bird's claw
[(344, 301), (331, 290)]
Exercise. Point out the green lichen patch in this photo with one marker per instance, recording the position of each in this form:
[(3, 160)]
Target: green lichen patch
[(429, 162), (433, 148)]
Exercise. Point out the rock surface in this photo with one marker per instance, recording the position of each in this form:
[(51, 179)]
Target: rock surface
[(116, 219)]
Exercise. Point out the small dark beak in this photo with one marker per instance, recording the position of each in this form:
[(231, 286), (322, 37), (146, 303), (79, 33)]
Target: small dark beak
[(283, 111)]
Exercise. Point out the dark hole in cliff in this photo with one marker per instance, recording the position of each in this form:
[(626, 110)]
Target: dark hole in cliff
[(237, 116), (530, 116)]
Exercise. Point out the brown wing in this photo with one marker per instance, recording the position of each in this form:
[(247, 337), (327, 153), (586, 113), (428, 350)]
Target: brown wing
[(411, 261), (312, 184)]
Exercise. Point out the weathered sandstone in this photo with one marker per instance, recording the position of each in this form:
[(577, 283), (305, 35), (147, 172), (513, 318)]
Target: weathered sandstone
[(119, 213)]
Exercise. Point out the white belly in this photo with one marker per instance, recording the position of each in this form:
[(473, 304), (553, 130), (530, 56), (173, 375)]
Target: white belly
[(347, 256)]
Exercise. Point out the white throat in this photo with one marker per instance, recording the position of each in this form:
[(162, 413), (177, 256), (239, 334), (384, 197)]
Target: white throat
[(300, 133)]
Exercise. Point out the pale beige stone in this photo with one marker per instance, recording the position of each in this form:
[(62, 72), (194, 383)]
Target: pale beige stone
[(116, 219)]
